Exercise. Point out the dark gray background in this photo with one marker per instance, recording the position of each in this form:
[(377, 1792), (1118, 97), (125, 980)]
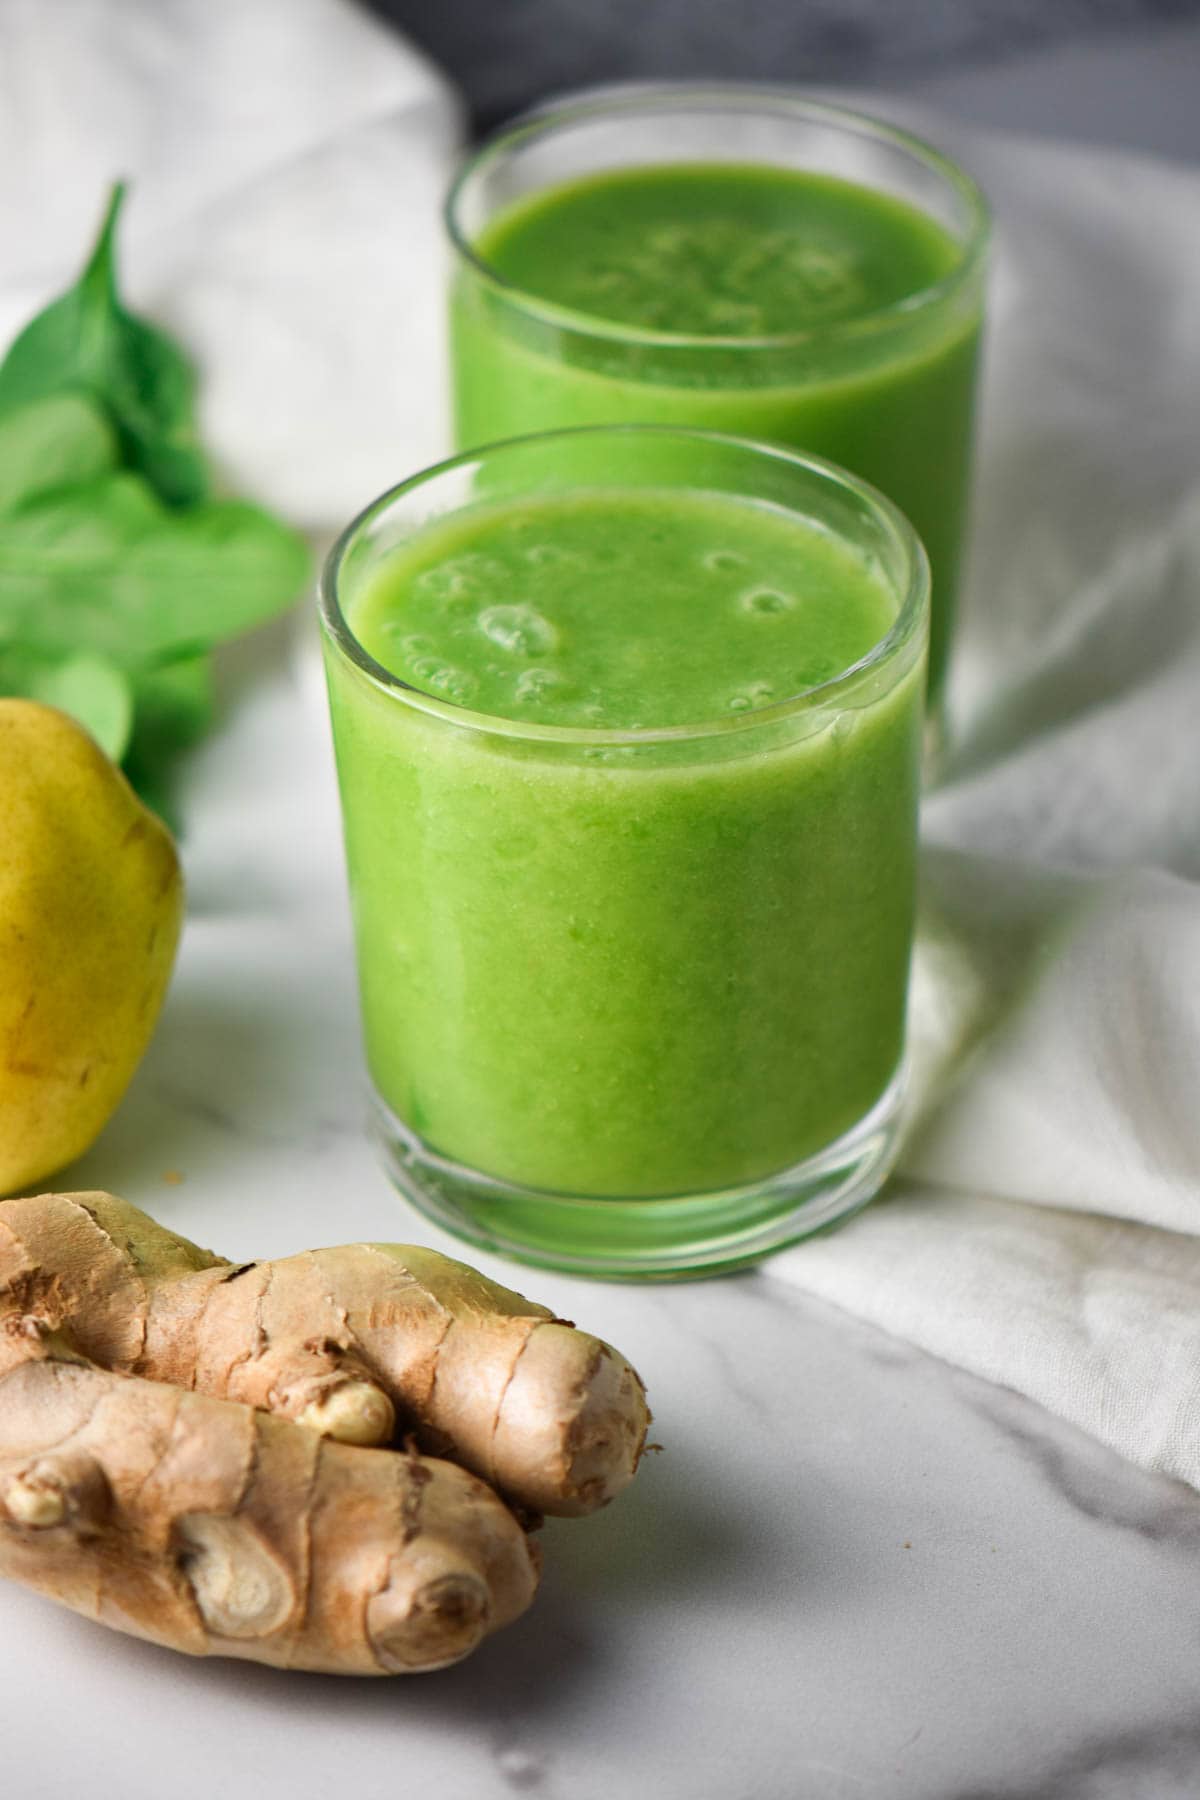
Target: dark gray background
[(507, 53)]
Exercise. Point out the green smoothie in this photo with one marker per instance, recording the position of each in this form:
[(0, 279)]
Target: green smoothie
[(622, 609), (630, 920), (772, 302)]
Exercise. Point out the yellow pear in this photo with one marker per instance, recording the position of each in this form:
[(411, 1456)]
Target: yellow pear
[(91, 903)]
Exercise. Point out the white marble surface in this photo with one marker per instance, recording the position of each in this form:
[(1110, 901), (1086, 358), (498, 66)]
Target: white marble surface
[(851, 1572)]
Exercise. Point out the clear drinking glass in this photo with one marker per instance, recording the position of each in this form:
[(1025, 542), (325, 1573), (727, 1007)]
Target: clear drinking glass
[(634, 1000), (887, 393)]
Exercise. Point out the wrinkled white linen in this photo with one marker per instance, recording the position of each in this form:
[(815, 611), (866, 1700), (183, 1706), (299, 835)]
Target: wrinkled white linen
[(1045, 1230), (287, 160), (1056, 1006)]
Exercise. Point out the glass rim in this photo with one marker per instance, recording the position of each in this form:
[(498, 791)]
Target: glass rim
[(912, 611), (751, 97)]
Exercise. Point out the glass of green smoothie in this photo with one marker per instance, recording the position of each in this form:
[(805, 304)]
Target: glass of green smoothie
[(739, 259), (628, 724)]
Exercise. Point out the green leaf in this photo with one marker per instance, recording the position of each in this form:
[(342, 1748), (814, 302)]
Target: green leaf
[(87, 687), (95, 693), (105, 567), (86, 340), (117, 574), (50, 444), (175, 707)]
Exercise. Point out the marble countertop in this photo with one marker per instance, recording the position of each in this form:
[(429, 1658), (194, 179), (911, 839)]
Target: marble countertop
[(852, 1573)]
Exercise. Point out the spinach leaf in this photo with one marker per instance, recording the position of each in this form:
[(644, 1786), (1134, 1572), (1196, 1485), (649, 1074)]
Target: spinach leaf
[(86, 340), (106, 566), (96, 693), (175, 704), (88, 687), (175, 707), (118, 574), (52, 443)]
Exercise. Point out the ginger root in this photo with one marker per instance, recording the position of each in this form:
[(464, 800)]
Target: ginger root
[(169, 1426)]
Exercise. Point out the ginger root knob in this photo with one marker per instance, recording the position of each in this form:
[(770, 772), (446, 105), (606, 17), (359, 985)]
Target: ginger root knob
[(356, 1413), (34, 1502), (53, 1489), (241, 1589)]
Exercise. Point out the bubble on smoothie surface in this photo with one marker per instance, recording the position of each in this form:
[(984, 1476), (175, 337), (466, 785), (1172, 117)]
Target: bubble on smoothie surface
[(410, 641), (824, 275), (519, 629), (440, 677), (713, 277), (723, 561), (764, 602), (822, 667), (539, 684), (611, 753), (754, 693), (465, 577)]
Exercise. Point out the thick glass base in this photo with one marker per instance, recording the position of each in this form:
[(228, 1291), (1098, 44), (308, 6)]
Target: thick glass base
[(647, 1239)]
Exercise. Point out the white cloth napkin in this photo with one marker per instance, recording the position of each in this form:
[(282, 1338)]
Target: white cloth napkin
[(1043, 1231), (288, 157)]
